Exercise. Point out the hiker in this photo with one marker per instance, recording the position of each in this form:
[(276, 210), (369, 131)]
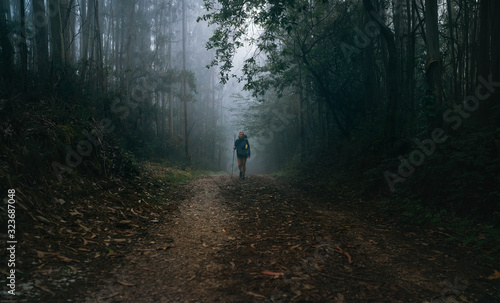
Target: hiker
[(242, 148)]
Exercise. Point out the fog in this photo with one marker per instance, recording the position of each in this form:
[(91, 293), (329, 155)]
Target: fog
[(117, 125), (176, 81)]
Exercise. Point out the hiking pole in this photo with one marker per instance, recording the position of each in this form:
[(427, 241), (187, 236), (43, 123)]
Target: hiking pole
[(234, 151)]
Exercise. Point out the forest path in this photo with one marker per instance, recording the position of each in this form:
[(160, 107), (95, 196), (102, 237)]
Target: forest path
[(262, 239)]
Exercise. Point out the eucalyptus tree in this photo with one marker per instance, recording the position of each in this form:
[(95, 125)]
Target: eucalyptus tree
[(296, 43), (41, 38), (434, 58)]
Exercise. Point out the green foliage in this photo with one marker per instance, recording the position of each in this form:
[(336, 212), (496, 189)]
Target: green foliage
[(47, 127), (461, 176), (286, 40), (482, 237), (292, 170)]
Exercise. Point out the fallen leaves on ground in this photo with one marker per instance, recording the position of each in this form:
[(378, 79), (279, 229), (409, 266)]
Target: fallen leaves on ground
[(272, 273), (340, 250), (125, 283), (97, 222), (495, 275)]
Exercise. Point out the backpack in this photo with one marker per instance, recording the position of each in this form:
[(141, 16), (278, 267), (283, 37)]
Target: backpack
[(242, 148)]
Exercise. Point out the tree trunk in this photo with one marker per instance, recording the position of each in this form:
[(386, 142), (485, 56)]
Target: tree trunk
[(495, 70), (6, 52), (434, 62), (170, 104), (98, 46), (301, 118), (369, 75), (410, 57), (495, 42), (72, 33), (127, 53), (451, 30), (213, 77), (184, 80), (473, 42), (84, 42), (488, 61), (170, 96), (66, 16), (392, 74), (463, 51), (56, 33), (23, 46), (399, 34), (5, 6), (483, 55)]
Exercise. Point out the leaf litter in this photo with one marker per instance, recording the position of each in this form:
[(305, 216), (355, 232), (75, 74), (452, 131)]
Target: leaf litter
[(220, 239)]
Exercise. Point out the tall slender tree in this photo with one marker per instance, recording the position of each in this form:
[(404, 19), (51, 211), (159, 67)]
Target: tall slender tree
[(6, 50), (56, 35), (434, 60), (23, 45), (392, 73), (184, 79)]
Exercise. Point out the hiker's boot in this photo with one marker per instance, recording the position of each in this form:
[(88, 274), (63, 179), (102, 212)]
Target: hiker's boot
[(241, 175)]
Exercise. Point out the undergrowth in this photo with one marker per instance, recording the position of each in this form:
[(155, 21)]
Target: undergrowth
[(469, 231), (457, 187)]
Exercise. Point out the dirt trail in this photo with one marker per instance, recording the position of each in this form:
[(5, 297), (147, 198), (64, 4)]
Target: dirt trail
[(263, 239), (177, 263)]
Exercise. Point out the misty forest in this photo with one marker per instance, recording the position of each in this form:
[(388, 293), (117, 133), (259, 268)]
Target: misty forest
[(250, 151)]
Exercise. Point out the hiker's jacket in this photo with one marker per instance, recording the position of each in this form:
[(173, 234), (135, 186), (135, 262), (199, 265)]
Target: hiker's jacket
[(242, 147)]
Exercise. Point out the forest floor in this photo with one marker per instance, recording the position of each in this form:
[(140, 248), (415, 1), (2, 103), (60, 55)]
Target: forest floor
[(221, 239)]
